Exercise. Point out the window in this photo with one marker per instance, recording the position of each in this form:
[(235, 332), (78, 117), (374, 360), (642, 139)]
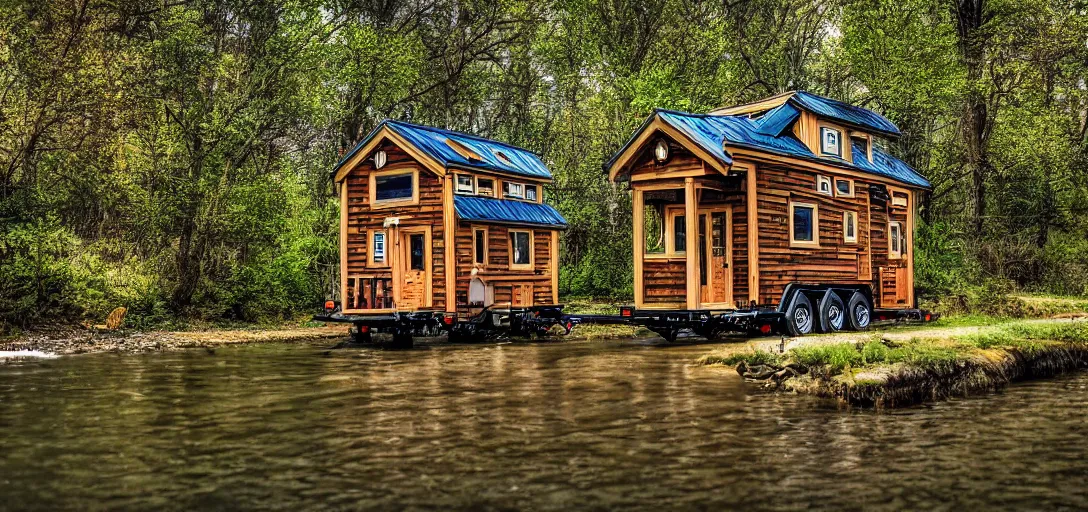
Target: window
[(899, 200), (530, 192), (465, 184), (844, 187), (676, 239), (830, 141), (393, 187), (485, 187), (897, 240), (479, 246), (823, 185), (513, 190), (521, 250), (850, 227), (415, 246), (378, 249), (804, 224)]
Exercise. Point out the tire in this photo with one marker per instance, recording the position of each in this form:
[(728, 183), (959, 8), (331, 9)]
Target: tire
[(859, 313), (799, 318), (832, 313)]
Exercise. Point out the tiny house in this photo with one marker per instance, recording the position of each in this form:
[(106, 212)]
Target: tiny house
[(433, 220), (793, 200)]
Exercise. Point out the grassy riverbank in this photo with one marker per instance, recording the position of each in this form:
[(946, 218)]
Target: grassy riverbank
[(894, 369)]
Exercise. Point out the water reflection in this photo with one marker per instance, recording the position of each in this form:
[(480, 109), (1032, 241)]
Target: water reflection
[(564, 426)]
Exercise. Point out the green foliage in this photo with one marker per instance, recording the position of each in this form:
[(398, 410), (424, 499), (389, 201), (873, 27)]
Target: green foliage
[(837, 357), (173, 157), (752, 358)]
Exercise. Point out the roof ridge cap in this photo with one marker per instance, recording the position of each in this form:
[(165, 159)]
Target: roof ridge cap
[(460, 134)]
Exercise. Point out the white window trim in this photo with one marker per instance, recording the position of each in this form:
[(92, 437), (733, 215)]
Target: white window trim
[(815, 242), (510, 186), (536, 191), (846, 214), (823, 150), (471, 190), (821, 179), (510, 249), (892, 239)]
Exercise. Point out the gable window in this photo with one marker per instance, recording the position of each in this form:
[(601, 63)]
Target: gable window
[(850, 227), (804, 224), (485, 187), (394, 187), (897, 240), (844, 187), (530, 192), (823, 185), (830, 141), (465, 184), (479, 246), (377, 251), (515, 190), (521, 250)]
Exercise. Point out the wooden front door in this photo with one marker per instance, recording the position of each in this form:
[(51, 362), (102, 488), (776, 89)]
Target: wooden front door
[(414, 268), (715, 257)]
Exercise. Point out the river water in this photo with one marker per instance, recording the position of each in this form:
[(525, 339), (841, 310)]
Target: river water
[(581, 425)]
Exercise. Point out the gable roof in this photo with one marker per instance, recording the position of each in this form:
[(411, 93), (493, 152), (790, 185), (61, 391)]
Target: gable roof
[(502, 211), (825, 107), (435, 144), (715, 134)]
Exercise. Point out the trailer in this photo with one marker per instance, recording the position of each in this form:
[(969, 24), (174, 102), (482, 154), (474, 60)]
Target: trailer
[(803, 309)]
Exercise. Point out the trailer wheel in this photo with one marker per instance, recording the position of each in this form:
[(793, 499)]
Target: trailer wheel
[(832, 313), (799, 319), (859, 313)]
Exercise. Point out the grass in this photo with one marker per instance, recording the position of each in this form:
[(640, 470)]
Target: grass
[(752, 358)]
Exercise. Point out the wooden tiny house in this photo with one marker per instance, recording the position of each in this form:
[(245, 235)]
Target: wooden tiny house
[(732, 206), (435, 220)]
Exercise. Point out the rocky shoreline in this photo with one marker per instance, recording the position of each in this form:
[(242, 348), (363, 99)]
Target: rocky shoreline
[(884, 371), (82, 341)]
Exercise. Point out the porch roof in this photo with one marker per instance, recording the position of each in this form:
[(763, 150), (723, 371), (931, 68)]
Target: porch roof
[(504, 211)]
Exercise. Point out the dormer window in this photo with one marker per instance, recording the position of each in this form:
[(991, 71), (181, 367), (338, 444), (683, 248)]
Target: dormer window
[(830, 141), (485, 187), (530, 192)]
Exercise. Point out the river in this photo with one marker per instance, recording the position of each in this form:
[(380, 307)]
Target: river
[(580, 425)]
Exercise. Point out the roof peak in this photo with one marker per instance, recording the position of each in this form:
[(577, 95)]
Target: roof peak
[(447, 131), (824, 106)]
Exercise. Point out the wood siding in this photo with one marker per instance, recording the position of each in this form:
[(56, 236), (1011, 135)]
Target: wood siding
[(508, 284), (362, 220)]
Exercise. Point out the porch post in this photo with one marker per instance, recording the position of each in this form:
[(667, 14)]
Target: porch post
[(639, 242), (753, 234), (691, 216)]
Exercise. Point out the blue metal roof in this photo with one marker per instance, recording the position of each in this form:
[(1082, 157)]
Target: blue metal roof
[(433, 142), (502, 211), (715, 133), (845, 112), (776, 120)]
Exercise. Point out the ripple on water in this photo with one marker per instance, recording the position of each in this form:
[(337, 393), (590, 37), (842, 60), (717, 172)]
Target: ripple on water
[(546, 426)]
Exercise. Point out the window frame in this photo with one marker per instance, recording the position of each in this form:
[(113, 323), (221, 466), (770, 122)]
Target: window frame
[(835, 186), (507, 193), (510, 249), (846, 215), (492, 180), (824, 129), (794, 242), (475, 254), (671, 212), (370, 239), (471, 184), (536, 191), (821, 179), (900, 239), (376, 204)]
